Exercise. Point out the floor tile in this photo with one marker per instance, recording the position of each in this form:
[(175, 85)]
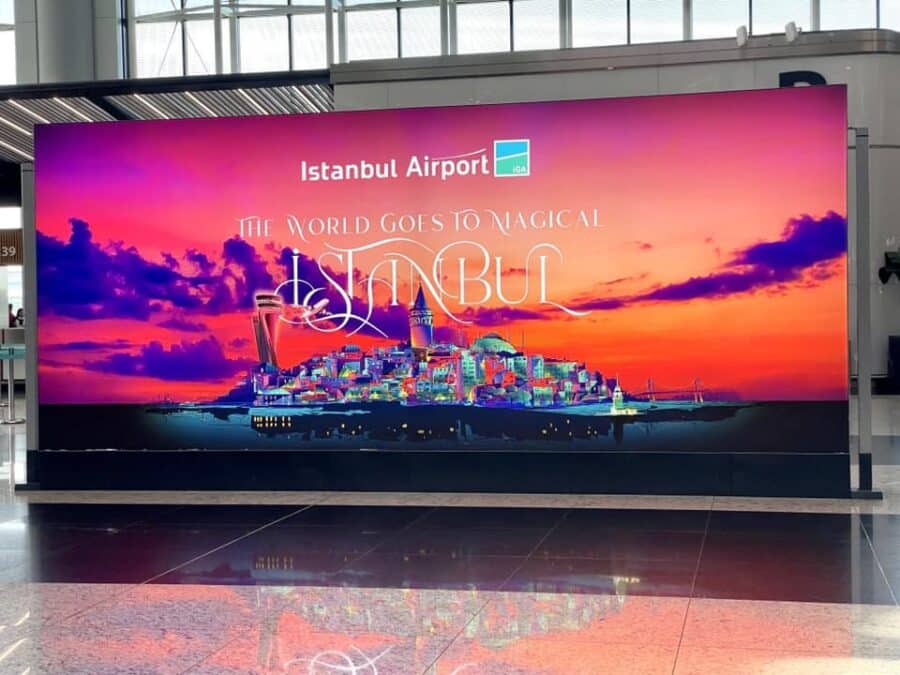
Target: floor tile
[(222, 515), (95, 516), (492, 518), (290, 645), (883, 532), (463, 542), (829, 525), (760, 570), (147, 629), (280, 555), (398, 570), (132, 555), (599, 619), (617, 577), (407, 612), (27, 604), (572, 540), (797, 627), (732, 661), (370, 518), (637, 520), (551, 655)]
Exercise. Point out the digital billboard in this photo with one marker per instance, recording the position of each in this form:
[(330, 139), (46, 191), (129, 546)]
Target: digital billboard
[(662, 273)]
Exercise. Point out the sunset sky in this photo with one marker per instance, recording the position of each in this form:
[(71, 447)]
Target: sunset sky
[(721, 253)]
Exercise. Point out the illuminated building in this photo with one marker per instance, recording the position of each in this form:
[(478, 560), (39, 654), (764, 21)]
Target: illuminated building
[(491, 371), (493, 343), (266, 321), (535, 366), (468, 368), (421, 323), (559, 368)]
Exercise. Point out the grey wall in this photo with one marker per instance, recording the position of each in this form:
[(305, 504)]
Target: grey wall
[(873, 100)]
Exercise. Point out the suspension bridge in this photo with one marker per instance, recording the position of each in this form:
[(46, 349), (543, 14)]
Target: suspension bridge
[(693, 389)]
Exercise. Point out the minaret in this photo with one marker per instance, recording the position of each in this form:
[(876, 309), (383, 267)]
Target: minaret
[(266, 321), (618, 398), (421, 323)]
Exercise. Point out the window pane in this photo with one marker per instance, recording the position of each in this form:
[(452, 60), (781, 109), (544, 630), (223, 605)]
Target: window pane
[(656, 20), (226, 45), (836, 14), (309, 41), (14, 294), (336, 39), (599, 22), (6, 12), (420, 31), (201, 47), (770, 16), (158, 49), (482, 27), (264, 44), (11, 219), (535, 24), (7, 57), (719, 18), (890, 14), (144, 7), (372, 34)]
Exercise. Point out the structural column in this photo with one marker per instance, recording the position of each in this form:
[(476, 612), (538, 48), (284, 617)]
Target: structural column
[(70, 41)]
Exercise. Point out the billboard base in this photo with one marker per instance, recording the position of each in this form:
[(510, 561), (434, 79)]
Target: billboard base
[(643, 473)]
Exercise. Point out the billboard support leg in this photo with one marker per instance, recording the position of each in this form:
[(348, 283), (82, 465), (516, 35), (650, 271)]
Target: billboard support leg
[(863, 490), (29, 286)]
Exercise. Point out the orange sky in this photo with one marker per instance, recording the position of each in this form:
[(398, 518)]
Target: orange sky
[(681, 184)]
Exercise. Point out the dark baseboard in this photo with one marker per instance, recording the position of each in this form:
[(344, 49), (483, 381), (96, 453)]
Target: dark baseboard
[(646, 473), (19, 387), (881, 386)]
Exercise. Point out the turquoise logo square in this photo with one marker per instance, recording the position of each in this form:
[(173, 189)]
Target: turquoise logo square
[(512, 158)]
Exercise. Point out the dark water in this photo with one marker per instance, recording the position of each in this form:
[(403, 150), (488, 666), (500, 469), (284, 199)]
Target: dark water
[(676, 427)]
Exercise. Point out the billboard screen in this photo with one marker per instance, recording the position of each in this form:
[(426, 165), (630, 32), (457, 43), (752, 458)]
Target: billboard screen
[(664, 273)]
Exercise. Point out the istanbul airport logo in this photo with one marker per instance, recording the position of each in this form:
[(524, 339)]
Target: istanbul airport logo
[(512, 158)]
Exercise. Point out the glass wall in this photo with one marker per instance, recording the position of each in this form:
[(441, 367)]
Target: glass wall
[(11, 219), (176, 37), (7, 43)]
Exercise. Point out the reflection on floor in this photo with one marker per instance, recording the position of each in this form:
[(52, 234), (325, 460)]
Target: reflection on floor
[(447, 584)]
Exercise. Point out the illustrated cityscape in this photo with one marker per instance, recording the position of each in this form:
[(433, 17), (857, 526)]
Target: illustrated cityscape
[(490, 371)]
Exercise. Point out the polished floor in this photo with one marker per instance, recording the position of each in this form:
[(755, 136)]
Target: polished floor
[(446, 584)]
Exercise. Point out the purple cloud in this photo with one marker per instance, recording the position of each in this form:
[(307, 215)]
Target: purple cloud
[(806, 241), (184, 324), (84, 280), (602, 304), (88, 345), (189, 361), (804, 253), (203, 264), (171, 261), (238, 253)]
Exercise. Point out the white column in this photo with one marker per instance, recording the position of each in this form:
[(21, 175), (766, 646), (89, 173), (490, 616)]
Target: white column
[(70, 41)]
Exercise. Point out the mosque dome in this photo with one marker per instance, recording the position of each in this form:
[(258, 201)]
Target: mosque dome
[(492, 343)]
